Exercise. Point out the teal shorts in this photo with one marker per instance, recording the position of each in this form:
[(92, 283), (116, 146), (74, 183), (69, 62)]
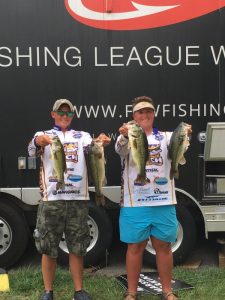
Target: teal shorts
[(137, 224)]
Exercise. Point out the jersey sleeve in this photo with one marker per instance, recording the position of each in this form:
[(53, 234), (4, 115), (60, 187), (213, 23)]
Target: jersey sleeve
[(87, 139), (33, 148), (168, 137)]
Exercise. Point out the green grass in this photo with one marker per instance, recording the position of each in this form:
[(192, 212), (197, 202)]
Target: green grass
[(26, 284)]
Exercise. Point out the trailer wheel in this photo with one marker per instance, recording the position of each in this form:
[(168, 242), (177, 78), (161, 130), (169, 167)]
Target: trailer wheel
[(13, 235), (186, 239), (101, 237)]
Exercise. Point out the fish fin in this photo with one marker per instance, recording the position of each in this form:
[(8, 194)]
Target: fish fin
[(182, 161), (60, 186), (140, 180), (54, 173), (187, 143), (65, 168), (99, 199), (104, 181), (174, 174), (90, 179), (54, 156), (99, 155), (129, 144), (169, 154), (135, 144)]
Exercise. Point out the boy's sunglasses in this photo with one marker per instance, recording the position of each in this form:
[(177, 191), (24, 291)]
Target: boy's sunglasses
[(69, 114)]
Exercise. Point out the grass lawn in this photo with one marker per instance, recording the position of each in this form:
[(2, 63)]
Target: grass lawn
[(26, 284)]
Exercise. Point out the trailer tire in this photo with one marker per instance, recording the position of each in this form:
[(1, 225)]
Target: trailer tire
[(13, 235), (101, 237), (185, 242)]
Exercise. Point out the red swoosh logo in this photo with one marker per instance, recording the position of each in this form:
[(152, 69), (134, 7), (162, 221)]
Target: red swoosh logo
[(138, 14)]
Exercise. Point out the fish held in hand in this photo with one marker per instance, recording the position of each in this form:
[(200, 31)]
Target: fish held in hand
[(59, 162), (179, 143), (95, 159), (139, 149)]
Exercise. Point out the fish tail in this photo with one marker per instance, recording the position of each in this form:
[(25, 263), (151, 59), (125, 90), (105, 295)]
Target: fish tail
[(100, 199), (174, 174), (147, 180), (60, 185), (140, 180)]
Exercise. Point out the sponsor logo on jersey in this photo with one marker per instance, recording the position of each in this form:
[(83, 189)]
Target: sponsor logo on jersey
[(77, 135), (158, 191), (52, 179), (55, 192), (74, 178), (161, 180)]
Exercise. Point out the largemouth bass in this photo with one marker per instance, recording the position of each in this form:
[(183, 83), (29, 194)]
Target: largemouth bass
[(95, 159), (179, 144), (139, 149), (59, 162)]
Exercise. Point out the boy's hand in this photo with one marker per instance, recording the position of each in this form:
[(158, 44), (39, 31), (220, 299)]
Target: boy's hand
[(104, 139), (43, 140), (124, 130)]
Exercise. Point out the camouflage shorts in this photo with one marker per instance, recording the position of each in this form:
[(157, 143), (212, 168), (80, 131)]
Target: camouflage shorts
[(57, 217)]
